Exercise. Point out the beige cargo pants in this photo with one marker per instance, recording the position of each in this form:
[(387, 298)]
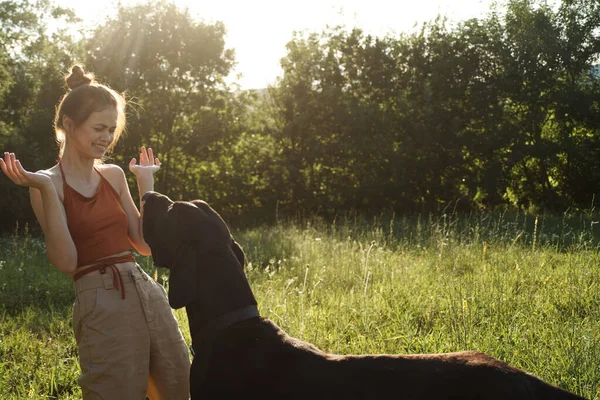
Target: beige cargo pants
[(128, 348)]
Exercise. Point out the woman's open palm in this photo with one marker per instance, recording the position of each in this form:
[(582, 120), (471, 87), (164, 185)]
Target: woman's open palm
[(13, 169), (148, 163)]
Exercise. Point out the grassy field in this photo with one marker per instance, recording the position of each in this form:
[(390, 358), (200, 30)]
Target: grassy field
[(523, 288)]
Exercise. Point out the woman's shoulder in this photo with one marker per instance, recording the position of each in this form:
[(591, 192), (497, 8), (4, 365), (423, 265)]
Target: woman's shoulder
[(54, 173), (112, 169), (114, 174), (56, 176)]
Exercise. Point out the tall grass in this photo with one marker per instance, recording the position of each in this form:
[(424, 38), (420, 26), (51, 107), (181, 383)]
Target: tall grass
[(523, 288)]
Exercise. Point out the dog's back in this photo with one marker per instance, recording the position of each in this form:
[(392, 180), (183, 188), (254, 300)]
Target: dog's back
[(256, 357)]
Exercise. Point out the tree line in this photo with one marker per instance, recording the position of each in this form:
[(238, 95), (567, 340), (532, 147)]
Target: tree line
[(497, 111)]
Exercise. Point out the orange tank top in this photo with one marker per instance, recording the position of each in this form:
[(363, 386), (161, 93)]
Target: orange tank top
[(98, 224)]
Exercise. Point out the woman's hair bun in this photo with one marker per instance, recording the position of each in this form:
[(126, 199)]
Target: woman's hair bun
[(78, 77)]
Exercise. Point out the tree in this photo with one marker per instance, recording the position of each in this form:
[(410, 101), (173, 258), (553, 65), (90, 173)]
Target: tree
[(172, 69), (31, 64), (577, 115)]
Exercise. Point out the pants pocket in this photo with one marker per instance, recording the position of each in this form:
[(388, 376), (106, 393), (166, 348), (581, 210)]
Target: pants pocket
[(84, 306)]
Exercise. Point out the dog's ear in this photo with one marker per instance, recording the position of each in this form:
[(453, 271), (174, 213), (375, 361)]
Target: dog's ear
[(155, 226), (148, 218), (183, 278), (239, 252)]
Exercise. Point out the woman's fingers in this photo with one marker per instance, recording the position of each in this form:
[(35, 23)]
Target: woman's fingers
[(13, 169), (17, 169), (152, 160), (8, 162), (11, 165), (147, 160), (20, 171), (5, 164), (150, 156), (15, 165), (143, 156), (3, 167), (147, 157)]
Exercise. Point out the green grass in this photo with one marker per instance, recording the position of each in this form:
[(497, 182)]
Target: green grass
[(522, 288)]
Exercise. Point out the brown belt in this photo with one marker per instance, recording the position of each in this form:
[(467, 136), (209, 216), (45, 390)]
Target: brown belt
[(109, 263)]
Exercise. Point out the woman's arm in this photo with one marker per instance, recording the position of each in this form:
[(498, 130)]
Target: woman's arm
[(48, 210), (50, 213), (134, 217), (144, 173)]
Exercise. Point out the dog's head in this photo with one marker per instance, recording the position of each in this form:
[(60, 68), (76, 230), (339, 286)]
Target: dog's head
[(178, 232)]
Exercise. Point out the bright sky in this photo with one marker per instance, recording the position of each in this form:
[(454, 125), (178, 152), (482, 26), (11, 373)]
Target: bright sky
[(259, 29)]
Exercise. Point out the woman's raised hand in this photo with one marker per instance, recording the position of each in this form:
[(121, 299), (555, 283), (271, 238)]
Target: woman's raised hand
[(148, 163), (13, 169)]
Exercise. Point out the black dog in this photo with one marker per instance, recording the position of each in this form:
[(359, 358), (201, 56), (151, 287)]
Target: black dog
[(239, 354)]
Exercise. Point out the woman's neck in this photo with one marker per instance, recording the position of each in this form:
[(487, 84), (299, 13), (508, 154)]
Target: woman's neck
[(77, 167)]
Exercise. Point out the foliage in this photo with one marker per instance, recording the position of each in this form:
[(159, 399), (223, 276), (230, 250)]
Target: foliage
[(489, 112), (32, 60), (172, 68), (499, 111)]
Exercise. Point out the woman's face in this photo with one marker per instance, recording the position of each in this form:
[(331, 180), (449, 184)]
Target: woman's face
[(93, 138)]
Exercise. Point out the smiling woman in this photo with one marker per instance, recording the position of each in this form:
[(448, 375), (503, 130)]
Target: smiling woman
[(98, 106), (91, 225)]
